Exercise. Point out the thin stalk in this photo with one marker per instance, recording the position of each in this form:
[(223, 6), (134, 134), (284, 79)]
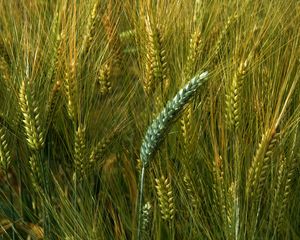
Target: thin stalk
[(140, 201)]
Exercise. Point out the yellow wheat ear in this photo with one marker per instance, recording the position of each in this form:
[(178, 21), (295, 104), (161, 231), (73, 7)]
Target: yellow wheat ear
[(233, 100), (165, 198), (5, 157), (31, 119), (156, 65)]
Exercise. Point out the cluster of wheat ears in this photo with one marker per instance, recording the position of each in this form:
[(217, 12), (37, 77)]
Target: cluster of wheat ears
[(149, 119)]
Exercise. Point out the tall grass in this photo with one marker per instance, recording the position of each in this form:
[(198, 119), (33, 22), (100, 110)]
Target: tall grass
[(94, 145)]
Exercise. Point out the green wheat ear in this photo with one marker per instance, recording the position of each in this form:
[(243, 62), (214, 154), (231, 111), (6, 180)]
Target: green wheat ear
[(156, 130), (159, 127)]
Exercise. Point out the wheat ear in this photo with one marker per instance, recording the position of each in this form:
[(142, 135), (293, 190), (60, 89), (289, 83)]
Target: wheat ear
[(52, 71), (146, 216), (194, 52), (33, 132), (259, 168), (31, 119), (98, 150), (165, 198), (160, 125), (70, 89), (5, 73), (104, 79), (90, 29), (233, 97), (5, 156), (158, 128), (190, 188), (80, 151), (287, 190), (217, 47), (219, 188), (286, 175), (53, 99), (156, 65)]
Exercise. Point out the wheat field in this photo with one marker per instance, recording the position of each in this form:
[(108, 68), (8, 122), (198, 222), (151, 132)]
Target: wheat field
[(150, 119)]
